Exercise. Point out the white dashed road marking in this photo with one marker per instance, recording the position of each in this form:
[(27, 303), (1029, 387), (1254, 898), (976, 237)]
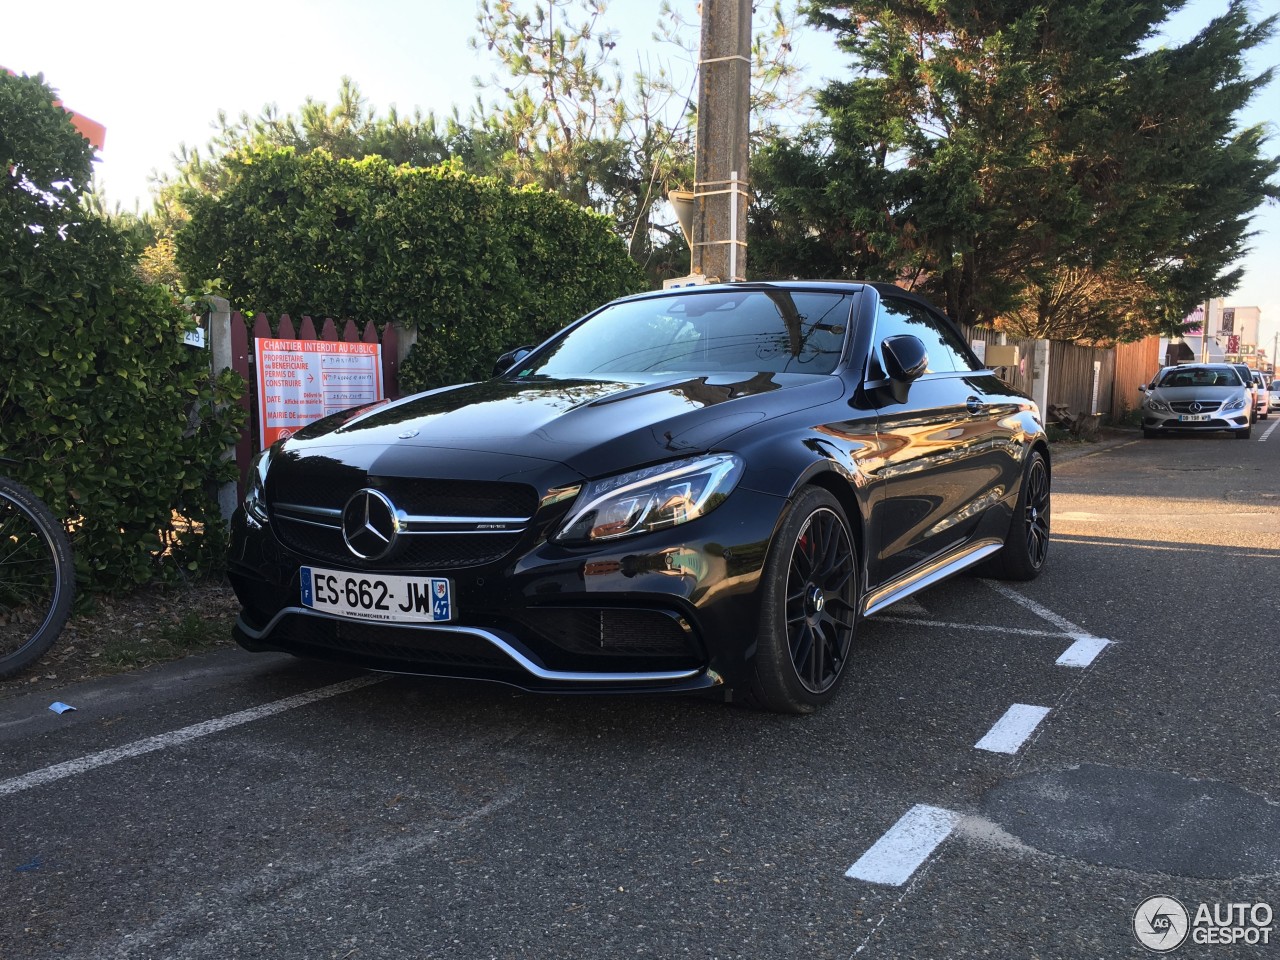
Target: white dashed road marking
[(1011, 730), (1086, 647), (1270, 430), (174, 738), (981, 627), (1082, 652), (1062, 623), (896, 856)]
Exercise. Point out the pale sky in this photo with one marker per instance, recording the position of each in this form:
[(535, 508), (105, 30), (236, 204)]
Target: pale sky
[(156, 72)]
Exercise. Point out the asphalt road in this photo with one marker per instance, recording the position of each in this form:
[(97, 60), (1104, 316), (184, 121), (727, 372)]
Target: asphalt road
[(237, 805)]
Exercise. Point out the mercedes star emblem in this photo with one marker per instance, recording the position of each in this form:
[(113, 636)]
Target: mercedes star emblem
[(369, 524)]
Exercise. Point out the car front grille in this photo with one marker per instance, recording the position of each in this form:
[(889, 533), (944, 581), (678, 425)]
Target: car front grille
[(1206, 406), (426, 552), (310, 523), (459, 498)]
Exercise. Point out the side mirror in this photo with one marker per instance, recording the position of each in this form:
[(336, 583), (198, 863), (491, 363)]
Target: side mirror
[(905, 360), (510, 359), (1142, 388)]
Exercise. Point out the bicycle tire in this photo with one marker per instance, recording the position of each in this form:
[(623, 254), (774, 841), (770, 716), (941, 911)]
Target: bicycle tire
[(37, 578)]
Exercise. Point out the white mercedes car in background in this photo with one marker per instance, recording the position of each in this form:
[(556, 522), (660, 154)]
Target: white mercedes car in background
[(1262, 399), (1197, 397)]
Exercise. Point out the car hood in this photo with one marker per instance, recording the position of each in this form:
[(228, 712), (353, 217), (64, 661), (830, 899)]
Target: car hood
[(593, 426), (1203, 394)]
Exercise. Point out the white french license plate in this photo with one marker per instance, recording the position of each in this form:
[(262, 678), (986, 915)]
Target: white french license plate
[(365, 596), (1194, 417)]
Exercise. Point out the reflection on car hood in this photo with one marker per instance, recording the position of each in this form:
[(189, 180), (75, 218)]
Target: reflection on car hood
[(592, 425), (1211, 394)]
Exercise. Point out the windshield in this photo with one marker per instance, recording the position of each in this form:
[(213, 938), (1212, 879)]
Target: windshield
[(1200, 377), (775, 331)]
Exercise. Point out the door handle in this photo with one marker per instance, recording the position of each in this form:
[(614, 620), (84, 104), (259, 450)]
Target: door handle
[(975, 406)]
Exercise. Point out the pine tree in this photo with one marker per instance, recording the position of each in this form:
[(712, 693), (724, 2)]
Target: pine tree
[(1038, 165)]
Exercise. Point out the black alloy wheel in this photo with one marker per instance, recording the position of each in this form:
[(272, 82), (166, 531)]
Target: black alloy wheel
[(810, 607), (1036, 512), (1026, 545)]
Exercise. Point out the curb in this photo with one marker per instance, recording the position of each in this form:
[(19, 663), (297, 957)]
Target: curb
[(1063, 451)]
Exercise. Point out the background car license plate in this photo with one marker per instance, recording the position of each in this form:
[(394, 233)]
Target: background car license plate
[(1193, 417), (365, 596)]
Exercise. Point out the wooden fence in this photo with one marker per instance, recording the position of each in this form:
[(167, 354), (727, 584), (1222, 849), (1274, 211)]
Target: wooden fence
[(1081, 378), (1019, 376), (1136, 364), (1071, 372)]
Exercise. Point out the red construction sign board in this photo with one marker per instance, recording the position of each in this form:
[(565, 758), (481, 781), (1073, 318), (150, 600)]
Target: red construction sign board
[(300, 381)]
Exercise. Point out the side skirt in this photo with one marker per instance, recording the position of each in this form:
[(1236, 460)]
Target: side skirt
[(927, 575)]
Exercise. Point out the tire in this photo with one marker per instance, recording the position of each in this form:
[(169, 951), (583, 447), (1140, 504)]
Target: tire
[(1244, 433), (37, 578), (809, 610), (1026, 545)]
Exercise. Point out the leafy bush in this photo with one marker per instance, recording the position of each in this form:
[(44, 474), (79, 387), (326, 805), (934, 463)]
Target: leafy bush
[(474, 266), (112, 420)]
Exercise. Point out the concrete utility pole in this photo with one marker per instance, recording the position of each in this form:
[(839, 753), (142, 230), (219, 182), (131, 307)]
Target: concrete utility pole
[(719, 243)]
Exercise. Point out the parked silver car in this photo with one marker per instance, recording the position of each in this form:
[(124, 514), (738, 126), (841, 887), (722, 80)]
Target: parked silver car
[(1198, 397), (1273, 395), (1246, 372), (1262, 399)]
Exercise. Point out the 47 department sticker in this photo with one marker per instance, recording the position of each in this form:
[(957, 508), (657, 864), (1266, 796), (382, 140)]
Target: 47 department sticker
[(440, 603)]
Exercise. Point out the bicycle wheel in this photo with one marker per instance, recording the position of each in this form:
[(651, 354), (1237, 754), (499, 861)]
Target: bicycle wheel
[(37, 579)]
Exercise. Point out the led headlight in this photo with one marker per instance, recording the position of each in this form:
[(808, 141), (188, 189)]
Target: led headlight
[(1236, 404), (255, 496), (1157, 405), (652, 498)]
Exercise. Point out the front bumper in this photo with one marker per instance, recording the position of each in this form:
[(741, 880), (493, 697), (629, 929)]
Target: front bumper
[(1237, 420), (675, 610)]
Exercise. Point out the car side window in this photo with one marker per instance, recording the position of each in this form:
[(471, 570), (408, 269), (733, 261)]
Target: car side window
[(946, 350)]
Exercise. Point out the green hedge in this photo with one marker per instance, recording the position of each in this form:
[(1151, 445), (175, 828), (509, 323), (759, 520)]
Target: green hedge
[(475, 266), (111, 419), (114, 422)]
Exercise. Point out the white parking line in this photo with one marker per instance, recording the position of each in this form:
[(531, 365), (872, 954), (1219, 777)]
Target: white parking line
[(173, 738), (1042, 612), (895, 857), (1083, 652), (1270, 430), (1011, 730), (982, 627), (1080, 654)]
